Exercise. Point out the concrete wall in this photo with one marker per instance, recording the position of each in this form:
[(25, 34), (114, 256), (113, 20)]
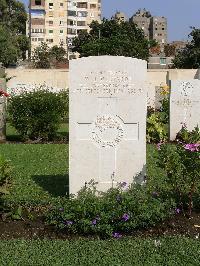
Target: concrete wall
[(59, 79), (28, 78)]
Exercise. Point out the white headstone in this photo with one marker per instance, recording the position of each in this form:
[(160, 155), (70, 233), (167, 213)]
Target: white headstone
[(184, 105), (107, 121)]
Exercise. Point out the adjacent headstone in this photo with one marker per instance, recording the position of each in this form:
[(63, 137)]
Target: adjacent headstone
[(197, 75), (151, 95), (2, 112), (184, 105), (107, 124)]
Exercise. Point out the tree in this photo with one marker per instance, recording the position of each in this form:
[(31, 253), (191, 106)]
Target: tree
[(44, 57), (57, 53), (41, 57), (13, 14), (189, 57), (9, 50), (13, 40), (112, 38)]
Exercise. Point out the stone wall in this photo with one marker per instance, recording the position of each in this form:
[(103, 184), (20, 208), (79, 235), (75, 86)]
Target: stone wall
[(59, 79)]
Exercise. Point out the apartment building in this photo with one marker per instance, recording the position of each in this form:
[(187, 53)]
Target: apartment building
[(58, 22), (154, 27), (120, 16), (158, 29)]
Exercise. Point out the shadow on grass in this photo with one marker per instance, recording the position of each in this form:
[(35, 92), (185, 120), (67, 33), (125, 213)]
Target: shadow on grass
[(55, 185)]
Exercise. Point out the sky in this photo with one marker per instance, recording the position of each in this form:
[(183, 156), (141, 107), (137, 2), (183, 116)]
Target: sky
[(181, 14)]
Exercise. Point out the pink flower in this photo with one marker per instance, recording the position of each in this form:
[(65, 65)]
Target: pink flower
[(192, 147), (158, 145)]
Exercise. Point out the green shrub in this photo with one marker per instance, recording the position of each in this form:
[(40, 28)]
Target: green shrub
[(38, 114), (157, 131), (181, 164), (157, 123), (186, 136), (119, 210), (5, 179)]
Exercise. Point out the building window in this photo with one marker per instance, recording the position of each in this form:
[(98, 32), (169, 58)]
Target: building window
[(38, 2), (82, 5), (163, 61), (61, 23), (61, 31), (50, 31), (50, 22), (50, 5), (71, 13), (93, 6), (92, 15), (71, 31), (71, 22), (80, 23), (81, 31), (82, 14), (163, 28), (61, 4), (49, 40)]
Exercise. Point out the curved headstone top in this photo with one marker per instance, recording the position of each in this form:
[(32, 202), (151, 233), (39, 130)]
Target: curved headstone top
[(184, 105)]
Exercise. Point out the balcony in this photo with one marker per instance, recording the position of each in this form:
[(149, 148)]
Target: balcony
[(38, 4)]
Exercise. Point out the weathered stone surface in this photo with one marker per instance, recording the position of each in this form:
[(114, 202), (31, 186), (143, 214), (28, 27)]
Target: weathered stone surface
[(184, 105), (107, 121)]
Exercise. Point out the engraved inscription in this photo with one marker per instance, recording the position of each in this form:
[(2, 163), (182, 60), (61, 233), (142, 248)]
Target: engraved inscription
[(109, 82), (186, 95), (108, 131)]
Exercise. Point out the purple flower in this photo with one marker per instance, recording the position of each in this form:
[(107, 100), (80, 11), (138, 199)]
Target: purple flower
[(126, 217), (158, 145), (123, 184), (68, 222), (116, 235), (192, 147), (94, 222), (177, 210)]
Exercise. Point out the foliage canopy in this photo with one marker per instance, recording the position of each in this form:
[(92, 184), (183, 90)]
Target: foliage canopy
[(112, 37), (190, 56)]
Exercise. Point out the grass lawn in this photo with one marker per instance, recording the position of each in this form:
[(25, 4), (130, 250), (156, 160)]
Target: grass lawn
[(127, 252), (41, 171)]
